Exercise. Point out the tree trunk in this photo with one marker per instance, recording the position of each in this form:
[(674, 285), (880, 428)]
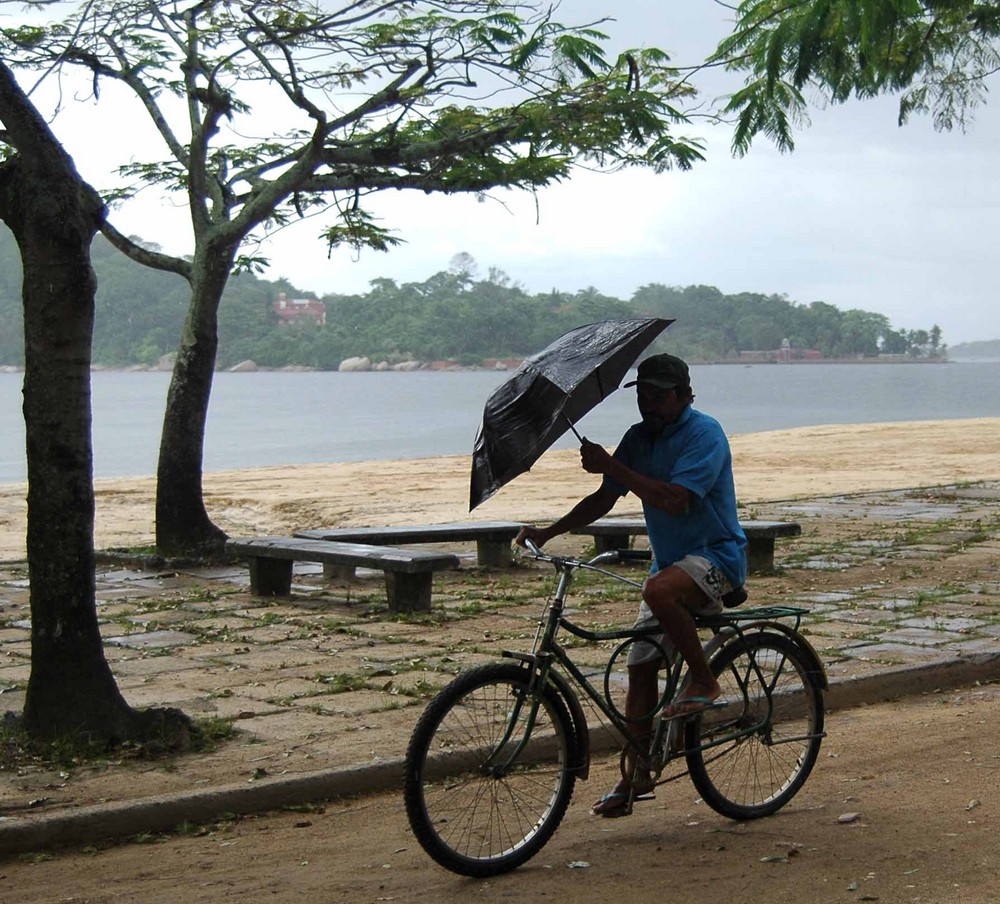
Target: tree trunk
[(54, 217), (182, 523)]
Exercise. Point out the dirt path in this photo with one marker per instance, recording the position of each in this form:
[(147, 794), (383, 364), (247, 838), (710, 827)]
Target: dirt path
[(923, 776)]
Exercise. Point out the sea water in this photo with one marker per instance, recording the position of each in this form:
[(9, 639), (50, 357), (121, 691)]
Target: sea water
[(260, 419)]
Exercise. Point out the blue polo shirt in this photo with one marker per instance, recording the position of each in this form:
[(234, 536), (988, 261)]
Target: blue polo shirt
[(692, 453)]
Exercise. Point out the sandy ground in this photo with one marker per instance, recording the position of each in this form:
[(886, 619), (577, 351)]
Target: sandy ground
[(782, 464), (902, 806)]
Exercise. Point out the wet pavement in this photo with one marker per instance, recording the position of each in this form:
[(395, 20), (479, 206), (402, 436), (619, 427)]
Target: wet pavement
[(902, 592)]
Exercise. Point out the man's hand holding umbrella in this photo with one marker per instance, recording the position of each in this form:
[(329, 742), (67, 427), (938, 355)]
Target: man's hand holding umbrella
[(673, 499)]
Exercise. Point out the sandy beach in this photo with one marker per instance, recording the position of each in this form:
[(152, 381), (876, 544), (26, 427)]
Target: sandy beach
[(781, 464)]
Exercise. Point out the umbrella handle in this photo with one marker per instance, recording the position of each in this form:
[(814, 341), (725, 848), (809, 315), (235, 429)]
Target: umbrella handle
[(571, 427)]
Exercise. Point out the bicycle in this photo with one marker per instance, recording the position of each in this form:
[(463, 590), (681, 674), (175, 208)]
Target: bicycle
[(492, 762)]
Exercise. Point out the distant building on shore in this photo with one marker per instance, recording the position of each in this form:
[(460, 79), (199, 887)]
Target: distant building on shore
[(299, 310), (783, 355)]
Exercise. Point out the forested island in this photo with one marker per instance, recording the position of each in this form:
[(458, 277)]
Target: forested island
[(453, 316)]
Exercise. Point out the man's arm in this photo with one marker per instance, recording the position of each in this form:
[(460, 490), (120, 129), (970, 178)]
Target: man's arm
[(670, 497), (587, 510)]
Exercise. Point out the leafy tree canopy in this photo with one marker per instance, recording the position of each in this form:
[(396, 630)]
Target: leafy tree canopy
[(935, 54), (436, 95)]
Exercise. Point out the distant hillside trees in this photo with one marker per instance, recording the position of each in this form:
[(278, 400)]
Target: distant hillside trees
[(449, 316)]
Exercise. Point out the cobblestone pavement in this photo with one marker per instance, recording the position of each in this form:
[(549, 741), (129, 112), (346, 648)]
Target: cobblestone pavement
[(902, 590)]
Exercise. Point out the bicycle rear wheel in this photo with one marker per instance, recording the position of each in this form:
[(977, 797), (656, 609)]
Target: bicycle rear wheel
[(750, 755), (471, 808)]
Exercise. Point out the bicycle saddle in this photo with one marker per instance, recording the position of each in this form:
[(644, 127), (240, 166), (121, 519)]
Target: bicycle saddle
[(735, 597)]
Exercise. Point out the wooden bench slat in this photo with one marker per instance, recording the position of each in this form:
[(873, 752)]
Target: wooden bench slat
[(493, 538), (360, 554)]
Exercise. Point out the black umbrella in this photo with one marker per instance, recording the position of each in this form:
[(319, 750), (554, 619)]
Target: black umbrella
[(549, 393)]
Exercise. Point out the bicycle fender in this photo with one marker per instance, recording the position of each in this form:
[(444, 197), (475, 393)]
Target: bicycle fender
[(717, 640), (808, 651), (581, 755)]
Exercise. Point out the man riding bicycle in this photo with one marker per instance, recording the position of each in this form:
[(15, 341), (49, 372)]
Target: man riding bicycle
[(678, 462)]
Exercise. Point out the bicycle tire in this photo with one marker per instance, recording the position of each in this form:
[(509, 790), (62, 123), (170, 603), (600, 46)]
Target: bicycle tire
[(471, 818), (776, 712)]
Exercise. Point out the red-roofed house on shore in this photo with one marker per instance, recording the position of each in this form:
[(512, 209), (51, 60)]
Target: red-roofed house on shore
[(297, 310)]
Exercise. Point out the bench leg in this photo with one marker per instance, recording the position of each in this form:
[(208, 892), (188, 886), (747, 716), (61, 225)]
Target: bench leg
[(332, 572), (760, 556), (606, 543), (408, 592), (493, 554), (270, 577)]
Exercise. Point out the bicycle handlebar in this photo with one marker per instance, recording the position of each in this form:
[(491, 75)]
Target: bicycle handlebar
[(532, 548), (610, 557)]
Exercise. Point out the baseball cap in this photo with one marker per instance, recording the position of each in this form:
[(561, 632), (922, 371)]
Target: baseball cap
[(664, 371)]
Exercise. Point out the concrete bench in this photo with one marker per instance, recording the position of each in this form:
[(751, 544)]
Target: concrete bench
[(616, 533), (408, 572), (493, 538)]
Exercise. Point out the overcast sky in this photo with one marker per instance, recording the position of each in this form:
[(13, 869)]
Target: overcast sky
[(863, 214)]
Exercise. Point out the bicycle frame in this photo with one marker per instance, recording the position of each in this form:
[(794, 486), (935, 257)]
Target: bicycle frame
[(547, 653)]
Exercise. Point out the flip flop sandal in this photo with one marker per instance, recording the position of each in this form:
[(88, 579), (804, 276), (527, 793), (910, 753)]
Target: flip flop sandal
[(616, 803), (613, 805), (700, 704)]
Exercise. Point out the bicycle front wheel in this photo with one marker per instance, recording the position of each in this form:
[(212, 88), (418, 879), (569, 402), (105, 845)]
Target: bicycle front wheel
[(477, 803), (750, 753)]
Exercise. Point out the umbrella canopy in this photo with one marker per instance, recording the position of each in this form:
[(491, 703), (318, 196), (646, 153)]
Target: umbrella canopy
[(549, 393)]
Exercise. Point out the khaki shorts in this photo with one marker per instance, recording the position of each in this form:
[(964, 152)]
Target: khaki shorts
[(712, 582)]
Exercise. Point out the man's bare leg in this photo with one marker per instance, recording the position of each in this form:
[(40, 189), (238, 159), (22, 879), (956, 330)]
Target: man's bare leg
[(668, 593), (640, 698)]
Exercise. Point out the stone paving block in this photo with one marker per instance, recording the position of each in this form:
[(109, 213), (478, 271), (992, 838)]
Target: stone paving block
[(14, 671), (238, 707), (276, 688), (267, 659), (865, 616), (12, 699), (976, 646), (349, 705), (891, 605), (831, 630), (15, 634), (830, 597), (105, 595), (824, 565), (899, 652), (150, 639), (209, 573), (17, 649), (978, 598), (942, 623), (131, 666), (147, 580), (921, 637)]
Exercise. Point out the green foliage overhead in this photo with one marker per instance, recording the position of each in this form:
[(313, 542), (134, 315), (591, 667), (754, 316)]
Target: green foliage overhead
[(291, 108), (934, 54), (449, 316)]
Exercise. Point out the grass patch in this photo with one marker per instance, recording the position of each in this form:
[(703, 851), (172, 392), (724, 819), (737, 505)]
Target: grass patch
[(343, 682), (19, 751)]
